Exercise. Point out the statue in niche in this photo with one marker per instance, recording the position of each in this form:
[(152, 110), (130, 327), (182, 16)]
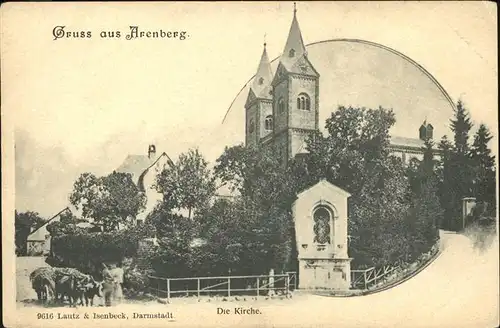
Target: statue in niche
[(322, 225)]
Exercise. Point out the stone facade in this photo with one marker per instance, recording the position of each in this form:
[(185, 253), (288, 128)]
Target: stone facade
[(282, 109), (320, 218), (292, 92)]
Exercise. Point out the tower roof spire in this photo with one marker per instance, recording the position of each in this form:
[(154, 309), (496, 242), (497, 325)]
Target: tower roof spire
[(294, 47), (262, 81)]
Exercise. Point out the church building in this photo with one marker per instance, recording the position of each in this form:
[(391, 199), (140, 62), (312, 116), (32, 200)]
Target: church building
[(282, 109)]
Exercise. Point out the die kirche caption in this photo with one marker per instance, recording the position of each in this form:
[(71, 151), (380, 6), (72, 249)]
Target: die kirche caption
[(61, 32)]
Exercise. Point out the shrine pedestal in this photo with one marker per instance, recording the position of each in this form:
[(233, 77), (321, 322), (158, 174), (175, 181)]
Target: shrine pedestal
[(326, 274), (320, 219)]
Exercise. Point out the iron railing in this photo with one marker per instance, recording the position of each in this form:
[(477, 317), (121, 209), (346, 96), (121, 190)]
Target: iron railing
[(363, 279)]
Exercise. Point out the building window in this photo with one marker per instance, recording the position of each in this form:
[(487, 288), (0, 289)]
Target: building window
[(261, 80), (291, 53), (269, 122), (303, 102), (281, 105), (251, 126), (322, 217)]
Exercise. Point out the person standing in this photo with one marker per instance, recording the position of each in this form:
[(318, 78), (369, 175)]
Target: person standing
[(107, 285), (117, 274)]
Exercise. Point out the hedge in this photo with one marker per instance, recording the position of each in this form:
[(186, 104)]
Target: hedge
[(87, 251)]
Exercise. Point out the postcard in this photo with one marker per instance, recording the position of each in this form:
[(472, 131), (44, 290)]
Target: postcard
[(249, 164)]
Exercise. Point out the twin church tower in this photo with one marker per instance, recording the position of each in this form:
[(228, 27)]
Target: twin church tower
[(282, 110)]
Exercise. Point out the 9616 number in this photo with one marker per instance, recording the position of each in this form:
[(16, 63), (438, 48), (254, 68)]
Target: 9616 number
[(45, 315)]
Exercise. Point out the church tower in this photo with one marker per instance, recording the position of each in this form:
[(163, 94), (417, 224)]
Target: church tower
[(259, 119), (295, 96)]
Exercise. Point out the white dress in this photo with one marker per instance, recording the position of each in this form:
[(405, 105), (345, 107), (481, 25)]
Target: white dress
[(117, 274)]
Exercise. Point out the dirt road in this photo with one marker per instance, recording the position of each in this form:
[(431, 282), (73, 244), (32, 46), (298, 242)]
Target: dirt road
[(24, 266)]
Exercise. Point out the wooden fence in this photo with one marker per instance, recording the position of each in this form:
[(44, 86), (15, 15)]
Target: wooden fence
[(258, 285)]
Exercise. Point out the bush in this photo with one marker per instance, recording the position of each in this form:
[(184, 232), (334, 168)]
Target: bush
[(87, 251), (482, 214), (136, 279)]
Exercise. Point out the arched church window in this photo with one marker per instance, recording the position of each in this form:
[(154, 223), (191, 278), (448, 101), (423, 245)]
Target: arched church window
[(303, 102), (269, 122), (281, 105), (322, 217), (251, 126), (291, 53)]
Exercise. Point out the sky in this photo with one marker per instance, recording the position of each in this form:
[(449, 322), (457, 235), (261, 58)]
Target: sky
[(84, 104)]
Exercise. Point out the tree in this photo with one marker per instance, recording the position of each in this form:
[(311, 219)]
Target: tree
[(357, 142), (187, 184), (461, 164), (457, 172), (108, 200), (173, 256), (484, 167), (447, 197), (266, 194), (428, 163), (25, 223), (420, 171), (355, 155), (67, 224), (427, 211), (378, 216), (230, 241), (461, 125)]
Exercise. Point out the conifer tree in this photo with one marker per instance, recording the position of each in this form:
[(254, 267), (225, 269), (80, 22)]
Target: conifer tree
[(461, 126), (460, 163), (428, 163), (445, 183), (428, 211), (484, 167)]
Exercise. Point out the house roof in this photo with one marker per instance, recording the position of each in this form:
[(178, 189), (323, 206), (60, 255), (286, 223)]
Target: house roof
[(33, 233), (135, 165), (407, 142), (140, 181), (323, 183)]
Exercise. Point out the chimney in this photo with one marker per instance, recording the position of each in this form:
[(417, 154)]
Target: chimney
[(151, 152)]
